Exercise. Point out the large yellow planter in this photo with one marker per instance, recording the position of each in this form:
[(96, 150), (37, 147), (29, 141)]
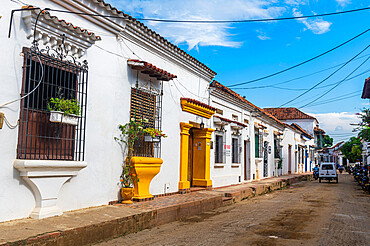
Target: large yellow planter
[(146, 168)]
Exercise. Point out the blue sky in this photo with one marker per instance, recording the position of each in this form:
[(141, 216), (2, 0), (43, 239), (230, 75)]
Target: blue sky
[(243, 52)]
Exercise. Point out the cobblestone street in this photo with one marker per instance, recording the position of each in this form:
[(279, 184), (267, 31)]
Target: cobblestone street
[(307, 213)]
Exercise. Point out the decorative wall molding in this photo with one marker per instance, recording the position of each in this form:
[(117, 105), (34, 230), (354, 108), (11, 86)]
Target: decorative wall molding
[(46, 178), (53, 32), (198, 108)]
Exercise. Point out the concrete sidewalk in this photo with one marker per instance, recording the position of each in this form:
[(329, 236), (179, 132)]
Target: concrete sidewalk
[(93, 225)]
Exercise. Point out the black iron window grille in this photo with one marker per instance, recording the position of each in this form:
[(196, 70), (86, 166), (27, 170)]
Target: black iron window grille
[(235, 150), (277, 148), (47, 74), (220, 151), (147, 107), (258, 143)]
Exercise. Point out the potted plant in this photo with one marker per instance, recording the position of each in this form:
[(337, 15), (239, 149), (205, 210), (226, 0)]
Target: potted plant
[(153, 135), (66, 111), (130, 132)]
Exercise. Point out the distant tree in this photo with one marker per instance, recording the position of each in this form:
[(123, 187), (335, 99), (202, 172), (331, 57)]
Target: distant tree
[(352, 149), (328, 141), (364, 126)]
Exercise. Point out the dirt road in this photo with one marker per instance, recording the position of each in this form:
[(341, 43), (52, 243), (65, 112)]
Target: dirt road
[(308, 213)]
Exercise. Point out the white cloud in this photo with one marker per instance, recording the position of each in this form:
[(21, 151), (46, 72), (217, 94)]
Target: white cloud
[(343, 3), (262, 35), (296, 2), (338, 124), (195, 35), (317, 26)]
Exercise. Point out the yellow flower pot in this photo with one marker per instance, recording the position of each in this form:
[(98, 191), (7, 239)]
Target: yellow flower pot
[(127, 194), (145, 168)]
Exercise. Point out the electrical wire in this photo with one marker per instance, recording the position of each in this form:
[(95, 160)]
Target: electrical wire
[(11, 126), (324, 86), (339, 99), (302, 63), (29, 93), (322, 81), (297, 78), (178, 90), (127, 17), (337, 84), (189, 90), (41, 65), (301, 89)]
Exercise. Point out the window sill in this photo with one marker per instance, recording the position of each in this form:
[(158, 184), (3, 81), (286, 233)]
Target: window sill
[(219, 165), (235, 165)]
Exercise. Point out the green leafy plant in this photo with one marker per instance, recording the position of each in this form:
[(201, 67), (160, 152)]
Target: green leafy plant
[(67, 106), (352, 149), (130, 133), (328, 141), (364, 125), (280, 163), (154, 132)]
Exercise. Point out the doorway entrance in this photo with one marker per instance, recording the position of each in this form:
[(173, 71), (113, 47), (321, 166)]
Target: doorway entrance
[(190, 157), (195, 152), (289, 159), (247, 161)]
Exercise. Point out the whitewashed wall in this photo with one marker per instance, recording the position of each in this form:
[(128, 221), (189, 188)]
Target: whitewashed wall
[(228, 173), (307, 124), (109, 84)]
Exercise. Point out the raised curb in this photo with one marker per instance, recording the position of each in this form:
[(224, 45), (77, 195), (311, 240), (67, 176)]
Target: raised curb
[(106, 230)]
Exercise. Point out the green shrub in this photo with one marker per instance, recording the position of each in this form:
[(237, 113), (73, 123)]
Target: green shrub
[(66, 106)]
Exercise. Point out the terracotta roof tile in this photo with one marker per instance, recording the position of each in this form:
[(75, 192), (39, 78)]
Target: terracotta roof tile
[(316, 129), (218, 85), (64, 23), (231, 121), (288, 113), (150, 69), (301, 129), (198, 103)]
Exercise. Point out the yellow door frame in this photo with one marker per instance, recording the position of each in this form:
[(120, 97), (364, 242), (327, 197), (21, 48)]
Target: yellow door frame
[(201, 160)]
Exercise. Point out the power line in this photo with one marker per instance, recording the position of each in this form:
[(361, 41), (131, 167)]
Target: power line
[(337, 84), (322, 81), (300, 64), (324, 86), (297, 78), (127, 17), (339, 99)]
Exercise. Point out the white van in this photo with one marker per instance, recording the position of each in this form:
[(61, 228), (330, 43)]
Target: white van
[(328, 171)]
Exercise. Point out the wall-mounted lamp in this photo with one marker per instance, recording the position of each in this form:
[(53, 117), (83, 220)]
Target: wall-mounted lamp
[(201, 126)]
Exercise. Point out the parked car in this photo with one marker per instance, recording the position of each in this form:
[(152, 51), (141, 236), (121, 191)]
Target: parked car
[(328, 172)]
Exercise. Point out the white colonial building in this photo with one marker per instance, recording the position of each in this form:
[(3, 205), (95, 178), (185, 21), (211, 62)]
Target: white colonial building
[(117, 69)]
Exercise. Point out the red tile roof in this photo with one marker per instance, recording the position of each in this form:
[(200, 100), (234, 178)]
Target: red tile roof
[(301, 129), (366, 90), (150, 69), (218, 85), (288, 113), (140, 25), (231, 121), (190, 100), (64, 23), (316, 129)]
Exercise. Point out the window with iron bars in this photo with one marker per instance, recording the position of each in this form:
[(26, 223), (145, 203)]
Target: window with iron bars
[(258, 143), (220, 148), (50, 77), (277, 147), (235, 150), (145, 105)]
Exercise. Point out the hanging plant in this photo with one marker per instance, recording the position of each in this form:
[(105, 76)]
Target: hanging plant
[(65, 111)]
